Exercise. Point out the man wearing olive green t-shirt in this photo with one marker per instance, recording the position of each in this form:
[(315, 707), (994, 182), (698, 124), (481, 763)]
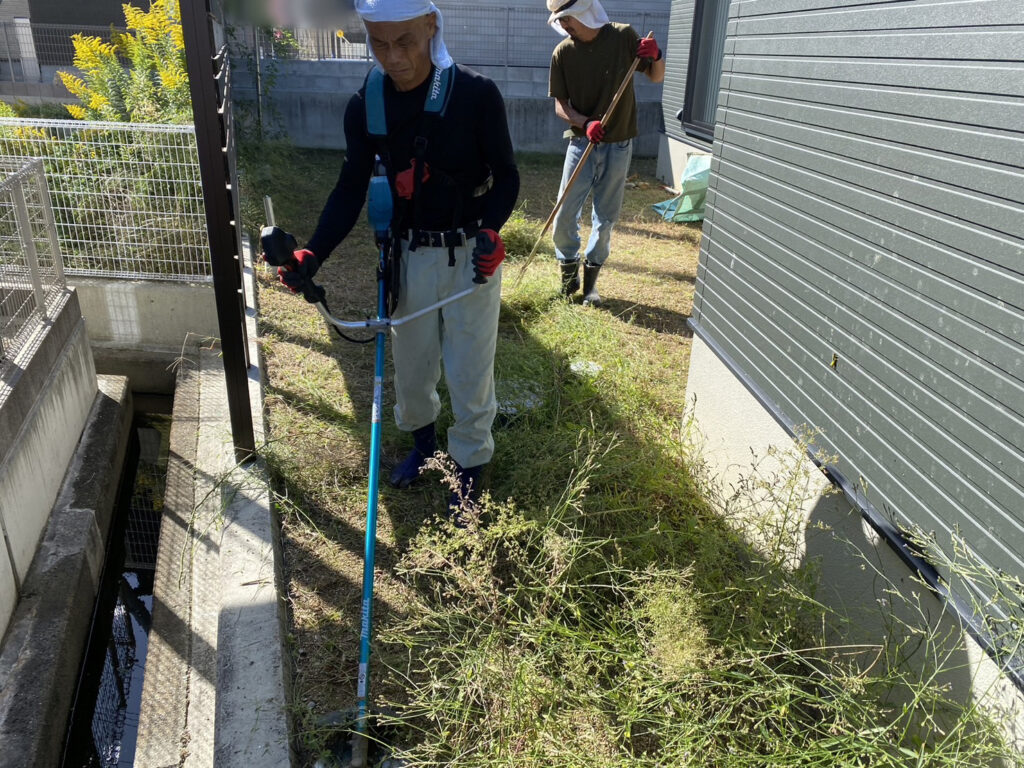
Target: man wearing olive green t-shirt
[(586, 70)]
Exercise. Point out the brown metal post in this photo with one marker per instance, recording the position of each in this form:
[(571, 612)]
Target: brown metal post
[(210, 109)]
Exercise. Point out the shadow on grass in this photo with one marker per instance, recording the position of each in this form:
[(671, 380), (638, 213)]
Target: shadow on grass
[(646, 316)]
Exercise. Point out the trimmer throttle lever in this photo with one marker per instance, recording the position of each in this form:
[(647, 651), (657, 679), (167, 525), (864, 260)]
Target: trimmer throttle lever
[(279, 251), (278, 246)]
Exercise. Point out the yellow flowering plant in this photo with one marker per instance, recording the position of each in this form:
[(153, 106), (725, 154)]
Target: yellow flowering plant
[(139, 76)]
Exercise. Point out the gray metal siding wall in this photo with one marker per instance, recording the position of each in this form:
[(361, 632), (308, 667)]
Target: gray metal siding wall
[(677, 59), (866, 202)]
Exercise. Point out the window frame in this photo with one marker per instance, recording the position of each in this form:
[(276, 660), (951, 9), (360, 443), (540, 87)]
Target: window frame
[(691, 127)]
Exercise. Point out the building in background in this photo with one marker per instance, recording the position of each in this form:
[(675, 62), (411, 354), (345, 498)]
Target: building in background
[(315, 71), (861, 277), (89, 13)]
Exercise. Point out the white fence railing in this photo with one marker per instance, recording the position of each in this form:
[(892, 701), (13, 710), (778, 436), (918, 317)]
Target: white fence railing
[(127, 198), (29, 52), (31, 274)]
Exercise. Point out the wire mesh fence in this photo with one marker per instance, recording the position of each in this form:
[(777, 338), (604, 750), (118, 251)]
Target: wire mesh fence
[(512, 37), (127, 197), (31, 273), (26, 47)]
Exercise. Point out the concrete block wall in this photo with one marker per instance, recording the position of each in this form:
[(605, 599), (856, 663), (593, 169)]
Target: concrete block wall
[(44, 404), (138, 328), (860, 577), (306, 100)]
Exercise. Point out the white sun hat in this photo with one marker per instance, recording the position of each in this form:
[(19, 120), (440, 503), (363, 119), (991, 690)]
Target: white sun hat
[(589, 13), (404, 10)]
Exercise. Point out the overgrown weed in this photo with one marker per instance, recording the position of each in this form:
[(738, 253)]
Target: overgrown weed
[(602, 607), (532, 640)]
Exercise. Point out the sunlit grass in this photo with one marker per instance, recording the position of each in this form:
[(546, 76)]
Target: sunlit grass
[(602, 611)]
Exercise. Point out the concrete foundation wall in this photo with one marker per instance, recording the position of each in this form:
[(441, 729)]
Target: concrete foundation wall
[(44, 404), (138, 328), (306, 101), (672, 156), (8, 590), (41, 652), (861, 577)]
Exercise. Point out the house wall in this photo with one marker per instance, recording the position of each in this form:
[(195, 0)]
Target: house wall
[(677, 60), (13, 9), (861, 270), (861, 257), (91, 13), (674, 146)]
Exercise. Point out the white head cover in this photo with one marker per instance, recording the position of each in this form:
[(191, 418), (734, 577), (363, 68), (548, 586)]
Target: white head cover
[(589, 13), (403, 10)]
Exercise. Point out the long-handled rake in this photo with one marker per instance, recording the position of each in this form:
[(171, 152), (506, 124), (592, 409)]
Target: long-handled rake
[(579, 167)]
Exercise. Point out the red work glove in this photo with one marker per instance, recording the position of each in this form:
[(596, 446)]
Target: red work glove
[(488, 254), (405, 182), (647, 48), (594, 130), (297, 273)]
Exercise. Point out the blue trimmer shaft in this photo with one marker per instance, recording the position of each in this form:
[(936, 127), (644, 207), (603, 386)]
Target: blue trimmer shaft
[(379, 211)]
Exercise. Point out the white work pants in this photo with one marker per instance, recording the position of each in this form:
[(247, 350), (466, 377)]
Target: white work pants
[(462, 334)]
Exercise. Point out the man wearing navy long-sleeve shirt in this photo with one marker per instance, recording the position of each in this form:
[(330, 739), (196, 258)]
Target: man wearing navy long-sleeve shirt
[(442, 133)]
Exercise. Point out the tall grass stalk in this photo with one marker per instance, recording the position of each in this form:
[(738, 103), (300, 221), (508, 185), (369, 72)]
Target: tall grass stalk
[(530, 642)]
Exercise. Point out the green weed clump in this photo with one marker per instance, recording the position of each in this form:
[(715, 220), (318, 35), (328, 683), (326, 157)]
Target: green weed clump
[(520, 234), (529, 642)]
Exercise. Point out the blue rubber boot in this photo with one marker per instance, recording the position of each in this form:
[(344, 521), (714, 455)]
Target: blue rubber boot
[(425, 442), (466, 495)]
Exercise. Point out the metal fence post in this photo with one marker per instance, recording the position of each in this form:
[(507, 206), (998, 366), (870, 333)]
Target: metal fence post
[(51, 222), (27, 51), (7, 47), (257, 56), (210, 106), (29, 245)]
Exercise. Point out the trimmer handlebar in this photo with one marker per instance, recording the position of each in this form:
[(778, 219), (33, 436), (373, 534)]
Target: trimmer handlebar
[(279, 251), (278, 246)]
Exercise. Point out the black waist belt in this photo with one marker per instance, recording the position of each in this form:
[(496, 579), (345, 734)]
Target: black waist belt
[(451, 238)]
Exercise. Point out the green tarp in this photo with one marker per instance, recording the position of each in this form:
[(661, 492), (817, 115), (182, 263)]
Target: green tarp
[(688, 205)]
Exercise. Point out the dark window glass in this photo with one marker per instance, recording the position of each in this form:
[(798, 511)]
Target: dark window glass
[(710, 19)]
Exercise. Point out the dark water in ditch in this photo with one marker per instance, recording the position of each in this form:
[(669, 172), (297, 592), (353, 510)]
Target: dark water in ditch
[(104, 720)]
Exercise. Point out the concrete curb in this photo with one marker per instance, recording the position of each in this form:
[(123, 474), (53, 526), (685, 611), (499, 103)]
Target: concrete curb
[(215, 691), (42, 652)]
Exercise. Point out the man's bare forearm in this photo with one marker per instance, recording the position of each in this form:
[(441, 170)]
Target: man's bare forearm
[(656, 73), (565, 111)]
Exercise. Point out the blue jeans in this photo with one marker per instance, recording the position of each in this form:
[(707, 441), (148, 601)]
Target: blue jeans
[(605, 175)]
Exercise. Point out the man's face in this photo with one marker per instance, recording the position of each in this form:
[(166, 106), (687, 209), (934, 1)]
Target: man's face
[(403, 48), (577, 30)]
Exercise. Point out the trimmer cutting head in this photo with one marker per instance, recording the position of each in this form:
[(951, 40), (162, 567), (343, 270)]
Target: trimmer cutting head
[(343, 747)]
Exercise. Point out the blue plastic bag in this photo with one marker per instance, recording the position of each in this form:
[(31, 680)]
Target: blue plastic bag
[(688, 205)]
